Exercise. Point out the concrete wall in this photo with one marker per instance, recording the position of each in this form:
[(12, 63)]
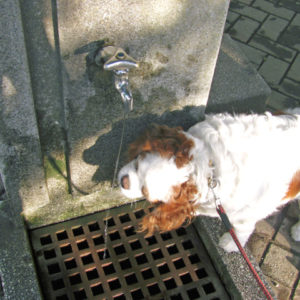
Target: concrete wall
[(62, 116)]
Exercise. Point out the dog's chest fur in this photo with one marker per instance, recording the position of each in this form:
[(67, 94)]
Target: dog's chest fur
[(254, 159)]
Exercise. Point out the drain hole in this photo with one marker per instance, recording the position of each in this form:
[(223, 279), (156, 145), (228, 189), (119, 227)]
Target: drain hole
[(187, 245), (97, 289), (209, 288), (130, 231), (137, 295), (45, 240), (147, 274), (98, 240), (92, 274), (57, 284), (62, 297), (125, 264), (154, 289), (179, 263), (201, 273), (139, 213), (80, 295), (170, 284), (186, 278), (103, 254), (193, 294), (181, 231), (109, 222), (48, 254), (109, 269), (87, 259), (194, 259), (70, 264), (136, 245), (163, 269), (83, 244), (114, 236), (120, 250), (176, 297), (131, 279), (141, 259), (94, 227), (66, 249), (157, 254), (78, 231), (173, 249), (62, 235), (120, 297), (151, 240), (166, 236), (124, 218), (114, 284), (54, 268), (75, 279)]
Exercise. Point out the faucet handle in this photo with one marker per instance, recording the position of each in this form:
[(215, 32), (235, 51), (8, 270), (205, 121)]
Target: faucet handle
[(119, 60)]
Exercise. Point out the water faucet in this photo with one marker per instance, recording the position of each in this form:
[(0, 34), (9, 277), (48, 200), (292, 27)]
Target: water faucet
[(118, 61)]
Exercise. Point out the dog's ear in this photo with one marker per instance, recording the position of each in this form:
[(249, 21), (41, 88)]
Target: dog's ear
[(164, 140), (172, 215)]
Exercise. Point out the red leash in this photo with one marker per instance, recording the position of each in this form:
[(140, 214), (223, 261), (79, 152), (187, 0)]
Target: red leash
[(212, 183), (230, 228)]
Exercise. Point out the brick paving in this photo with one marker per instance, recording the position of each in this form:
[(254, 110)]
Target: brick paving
[(268, 32)]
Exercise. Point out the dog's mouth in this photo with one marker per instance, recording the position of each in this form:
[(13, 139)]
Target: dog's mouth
[(125, 182)]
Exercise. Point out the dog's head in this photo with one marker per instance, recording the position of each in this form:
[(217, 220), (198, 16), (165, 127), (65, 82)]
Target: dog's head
[(160, 170)]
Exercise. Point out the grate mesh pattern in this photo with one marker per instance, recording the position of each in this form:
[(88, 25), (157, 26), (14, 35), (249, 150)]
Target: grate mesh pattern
[(101, 256)]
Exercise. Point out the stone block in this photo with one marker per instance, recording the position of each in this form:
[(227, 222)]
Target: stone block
[(283, 237), (176, 43), (243, 29), (273, 9), (294, 72), (21, 164), (273, 48), (272, 27), (237, 87), (247, 11), (273, 70), (281, 266)]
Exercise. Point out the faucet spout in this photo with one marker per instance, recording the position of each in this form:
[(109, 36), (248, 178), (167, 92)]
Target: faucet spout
[(122, 85), (120, 63)]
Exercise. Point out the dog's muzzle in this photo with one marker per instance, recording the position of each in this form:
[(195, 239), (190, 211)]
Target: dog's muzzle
[(125, 183)]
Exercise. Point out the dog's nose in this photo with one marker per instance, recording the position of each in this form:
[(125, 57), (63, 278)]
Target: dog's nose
[(125, 183)]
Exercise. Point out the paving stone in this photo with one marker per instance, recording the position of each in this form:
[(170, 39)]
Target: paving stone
[(255, 56), (273, 9), (279, 101), (281, 266), (272, 27), (297, 292), (231, 16), (272, 47), (283, 237), (281, 292), (243, 29), (247, 11), (273, 70), (293, 210), (291, 88), (290, 4), (291, 36), (257, 244), (294, 72)]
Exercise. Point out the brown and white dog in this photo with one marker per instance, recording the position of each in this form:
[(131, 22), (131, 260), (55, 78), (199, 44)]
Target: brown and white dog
[(254, 158)]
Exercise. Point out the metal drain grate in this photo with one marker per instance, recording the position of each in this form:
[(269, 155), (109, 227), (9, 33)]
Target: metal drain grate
[(101, 256)]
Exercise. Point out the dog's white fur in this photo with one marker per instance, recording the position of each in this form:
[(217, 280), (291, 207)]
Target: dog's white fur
[(253, 158)]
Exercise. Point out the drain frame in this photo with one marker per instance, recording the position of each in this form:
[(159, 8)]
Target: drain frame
[(75, 260)]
